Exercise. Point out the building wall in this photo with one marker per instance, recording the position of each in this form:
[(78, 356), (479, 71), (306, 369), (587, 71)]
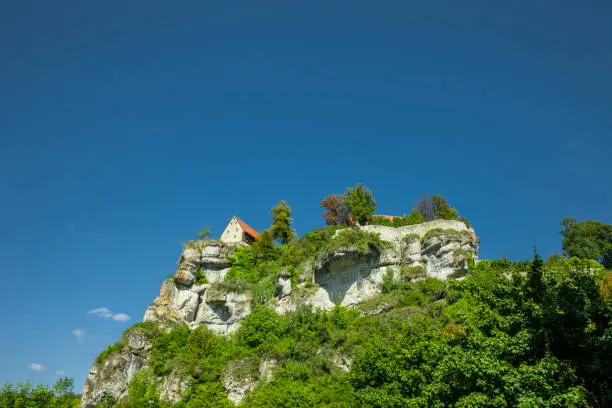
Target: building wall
[(233, 232)]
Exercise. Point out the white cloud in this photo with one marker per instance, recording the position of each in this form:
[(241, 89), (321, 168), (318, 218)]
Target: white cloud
[(107, 314), (121, 317), (37, 367), (102, 312), (79, 333), (59, 373)]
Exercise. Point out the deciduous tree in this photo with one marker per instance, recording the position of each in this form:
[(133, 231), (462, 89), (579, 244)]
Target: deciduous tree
[(588, 239), (336, 211)]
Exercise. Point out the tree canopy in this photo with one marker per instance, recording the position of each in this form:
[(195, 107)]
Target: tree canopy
[(281, 223), (588, 239), (361, 203), (336, 210)]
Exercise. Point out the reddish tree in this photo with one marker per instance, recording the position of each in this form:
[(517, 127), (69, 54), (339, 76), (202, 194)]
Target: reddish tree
[(336, 211)]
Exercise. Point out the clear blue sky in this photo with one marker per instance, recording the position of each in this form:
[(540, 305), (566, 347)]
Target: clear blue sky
[(125, 126)]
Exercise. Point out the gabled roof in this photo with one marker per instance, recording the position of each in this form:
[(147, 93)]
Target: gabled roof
[(247, 228)]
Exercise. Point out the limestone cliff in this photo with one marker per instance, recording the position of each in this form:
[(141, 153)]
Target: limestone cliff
[(440, 249), (343, 275)]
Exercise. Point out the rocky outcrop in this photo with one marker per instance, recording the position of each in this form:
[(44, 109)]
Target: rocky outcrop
[(111, 373), (223, 311), (242, 376), (346, 276), (197, 295), (186, 300), (204, 259)]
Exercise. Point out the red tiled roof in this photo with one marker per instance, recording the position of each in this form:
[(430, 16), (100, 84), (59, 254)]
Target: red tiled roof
[(247, 228), (389, 217)]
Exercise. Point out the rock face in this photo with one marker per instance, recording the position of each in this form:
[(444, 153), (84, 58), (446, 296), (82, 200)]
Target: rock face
[(183, 301), (111, 376), (440, 249), (239, 378)]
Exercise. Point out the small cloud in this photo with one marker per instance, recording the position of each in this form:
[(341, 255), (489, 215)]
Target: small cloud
[(59, 373), (79, 333), (102, 312), (121, 317), (37, 367), (107, 314)]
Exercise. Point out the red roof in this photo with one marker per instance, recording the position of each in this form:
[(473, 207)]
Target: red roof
[(389, 217), (247, 228)]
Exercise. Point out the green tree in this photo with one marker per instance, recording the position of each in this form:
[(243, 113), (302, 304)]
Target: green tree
[(281, 223), (142, 390), (264, 248), (436, 208), (414, 217), (361, 203), (587, 239), (205, 233)]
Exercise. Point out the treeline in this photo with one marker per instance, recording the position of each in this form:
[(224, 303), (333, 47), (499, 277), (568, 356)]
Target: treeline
[(357, 206), (25, 395)]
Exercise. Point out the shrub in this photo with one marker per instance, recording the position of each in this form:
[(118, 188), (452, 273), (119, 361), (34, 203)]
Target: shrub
[(243, 266), (110, 349), (384, 221), (412, 272), (359, 240), (389, 282), (142, 391), (258, 326), (200, 277)]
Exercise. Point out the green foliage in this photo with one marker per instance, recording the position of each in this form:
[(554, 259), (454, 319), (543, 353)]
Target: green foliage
[(142, 391), (588, 239), (258, 327), (359, 240), (410, 237), (24, 395), (206, 395), (414, 218), (409, 273), (380, 220), (244, 266), (264, 248), (110, 349), (436, 207), (149, 329), (205, 233), (389, 283), (281, 223), (437, 232), (361, 203), (511, 334), (200, 276)]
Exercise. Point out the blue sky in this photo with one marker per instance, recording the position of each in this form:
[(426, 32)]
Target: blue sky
[(125, 126)]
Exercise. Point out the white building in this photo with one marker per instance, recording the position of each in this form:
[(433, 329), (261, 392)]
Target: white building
[(238, 231)]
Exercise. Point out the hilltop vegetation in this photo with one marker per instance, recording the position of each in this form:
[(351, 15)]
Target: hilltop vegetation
[(524, 334)]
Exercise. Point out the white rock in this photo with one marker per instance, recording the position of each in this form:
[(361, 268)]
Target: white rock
[(283, 286), (223, 313)]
